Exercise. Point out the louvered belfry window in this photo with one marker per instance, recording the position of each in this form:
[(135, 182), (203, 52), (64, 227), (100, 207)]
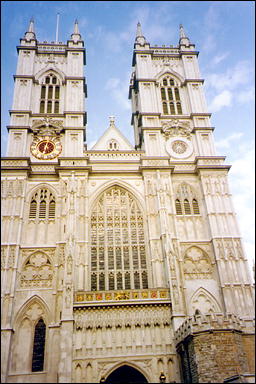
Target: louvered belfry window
[(118, 255), (50, 94), (170, 96), (186, 203), (42, 205)]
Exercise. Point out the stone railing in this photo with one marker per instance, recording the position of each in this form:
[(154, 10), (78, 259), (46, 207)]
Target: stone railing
[(163, 49), (214, 160), (73, 162), (155, 162), (43, 168), (212, 321), (14, 162), (106, 297), (113, 155), (51, 47)]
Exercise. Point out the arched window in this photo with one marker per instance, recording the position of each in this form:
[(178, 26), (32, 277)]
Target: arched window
[(186, 200), (50, 94), (187, 209), (113, 145), (42, 205), (163, 94), (195, 207), (165, 109), (118, 254), (170, 97), (178, 207), (32, 211), (38, 347), (172, 108)]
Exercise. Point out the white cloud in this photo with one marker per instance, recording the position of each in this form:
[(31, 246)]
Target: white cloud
[(235, 76), (219, 58), (223, 99), (227, 141), (230, 87), (246, 96)]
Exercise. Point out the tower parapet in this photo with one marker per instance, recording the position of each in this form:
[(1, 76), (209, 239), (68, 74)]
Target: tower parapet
[(216, 347), (213, 322)]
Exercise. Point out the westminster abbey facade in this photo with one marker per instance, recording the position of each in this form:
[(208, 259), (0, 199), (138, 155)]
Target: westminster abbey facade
[(120, 263)]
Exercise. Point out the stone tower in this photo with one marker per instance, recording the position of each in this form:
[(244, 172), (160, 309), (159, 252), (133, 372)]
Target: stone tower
[(118, 261)]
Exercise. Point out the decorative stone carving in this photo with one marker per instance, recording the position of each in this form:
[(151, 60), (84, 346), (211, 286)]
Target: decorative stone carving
[(34, 312), (3, 256), (175, 127), (11, 258), (37, 271), (197, 264), (204, 302), (47, 126)]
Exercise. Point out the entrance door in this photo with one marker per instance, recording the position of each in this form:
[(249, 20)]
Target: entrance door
[(126, 374)]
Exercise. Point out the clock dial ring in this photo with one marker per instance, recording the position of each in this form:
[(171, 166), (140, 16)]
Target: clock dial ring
[(46, 147)]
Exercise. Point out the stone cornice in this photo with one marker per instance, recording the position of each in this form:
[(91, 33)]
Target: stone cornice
[(202, 114), (193, 81)]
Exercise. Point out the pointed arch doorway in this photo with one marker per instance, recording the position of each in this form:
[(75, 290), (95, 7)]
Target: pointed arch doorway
[(125, 374)]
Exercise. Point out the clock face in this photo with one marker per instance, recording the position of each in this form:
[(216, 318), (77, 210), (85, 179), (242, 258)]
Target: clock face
[(46, 148)]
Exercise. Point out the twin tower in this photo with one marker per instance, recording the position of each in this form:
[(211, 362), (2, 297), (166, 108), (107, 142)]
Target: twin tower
[(120, 261)]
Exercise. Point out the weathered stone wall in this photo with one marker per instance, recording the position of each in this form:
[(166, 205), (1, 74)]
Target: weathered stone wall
[(249, 348), (215, 347), (219, 355)]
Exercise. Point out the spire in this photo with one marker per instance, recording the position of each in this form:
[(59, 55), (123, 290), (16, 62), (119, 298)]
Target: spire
[(183, 38), (30, 34), (31, 25), (139, 31), (140, 39), (76, 35)]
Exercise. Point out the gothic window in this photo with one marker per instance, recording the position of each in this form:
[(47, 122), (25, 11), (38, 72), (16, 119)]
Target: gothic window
[(113, 145), (42, 205), (165, 109), (118, 254), (50, 94), (178, 207), (195, 207), (38, 347), (170, 97), (186, 202), (187, 207)]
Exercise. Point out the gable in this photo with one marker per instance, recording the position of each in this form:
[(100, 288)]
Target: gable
[(112, 139)]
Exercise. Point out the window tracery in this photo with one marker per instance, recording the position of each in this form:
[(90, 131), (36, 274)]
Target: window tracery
[(186, 202), (42, 205), (170, 96), (50, 94), (118, 255)]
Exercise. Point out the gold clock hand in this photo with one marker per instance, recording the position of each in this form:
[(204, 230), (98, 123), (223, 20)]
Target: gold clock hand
[(46, 146)]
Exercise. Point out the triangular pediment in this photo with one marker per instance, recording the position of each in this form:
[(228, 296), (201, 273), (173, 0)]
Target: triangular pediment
[(112, 139)]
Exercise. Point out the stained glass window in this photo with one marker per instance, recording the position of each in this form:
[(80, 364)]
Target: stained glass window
[(117, 242)]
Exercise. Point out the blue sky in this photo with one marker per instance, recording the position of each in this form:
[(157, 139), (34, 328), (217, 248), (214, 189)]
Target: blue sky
[(223, 32)]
